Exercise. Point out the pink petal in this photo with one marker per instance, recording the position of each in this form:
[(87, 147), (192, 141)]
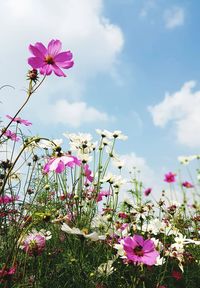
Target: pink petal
[(58, 71), (41, 48), (60, 168), (148, 245), (36, 52), (46, 69), (63, 56), (35, 62), (65, 65), (139, 239), (54, 47)]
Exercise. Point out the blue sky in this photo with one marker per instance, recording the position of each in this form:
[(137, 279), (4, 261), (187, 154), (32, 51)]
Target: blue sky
[(128, 54)]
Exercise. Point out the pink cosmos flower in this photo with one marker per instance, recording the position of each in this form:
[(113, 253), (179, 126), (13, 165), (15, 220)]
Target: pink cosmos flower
[(19, 120), (34, 244), (170, 177), (50, 59), (187, 184), (7, 199), (11, 135), (139, 250), (123, 215), (88, 173), (58, 164), (5, 272), (101, 194), (147, 191)]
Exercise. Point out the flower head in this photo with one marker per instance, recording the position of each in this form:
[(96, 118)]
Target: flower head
[(147, 191), (11, 135), (58, 164), (187, 184), (50, 59), (88, 173), (7, 199), (170, 177), (137, 250), (34, 243), (19, 120)]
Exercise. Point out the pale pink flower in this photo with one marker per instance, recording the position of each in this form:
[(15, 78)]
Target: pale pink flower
[(58, 164), (138, 250), (170, 177), (50, 59), (34, 243), (11, 135), (19, 120)]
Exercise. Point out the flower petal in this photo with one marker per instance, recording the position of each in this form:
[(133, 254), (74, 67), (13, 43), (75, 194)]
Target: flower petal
[(36, 52), (65, 65), (41, 48), (35, 62), (54, 47), (60, 168), (58, 71), (46, 69), (63, 56)]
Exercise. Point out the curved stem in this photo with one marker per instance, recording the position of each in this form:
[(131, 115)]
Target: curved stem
[(30, 92)]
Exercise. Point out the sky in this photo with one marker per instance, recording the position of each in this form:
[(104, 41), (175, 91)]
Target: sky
[(136, 70)]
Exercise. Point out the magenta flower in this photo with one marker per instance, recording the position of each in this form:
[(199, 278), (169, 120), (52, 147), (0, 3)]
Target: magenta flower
[(101, 194), (19, 120), (58, 164), (50, 59), (139, 250), (4, 272), (8, 199), (147, 191), (123, 215), (34, 244), (11, 135), (170, 177), (187, 184), (88, 173)]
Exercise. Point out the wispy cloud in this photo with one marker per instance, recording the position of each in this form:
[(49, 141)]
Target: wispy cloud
[(182, 109), (148, 5), (75, 114), (174, 17)]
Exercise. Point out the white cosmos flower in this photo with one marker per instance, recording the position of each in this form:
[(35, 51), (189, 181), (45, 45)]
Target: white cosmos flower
[(81, 142), (116, 180), (104, 133), (106, 268), (76, 231), (186, 159), (160, 261), (118, 134)]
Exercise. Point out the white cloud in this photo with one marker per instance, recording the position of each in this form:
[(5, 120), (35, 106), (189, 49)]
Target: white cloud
[(174, 17), (75, 114), (182, 109), (147, 6), (80, 25), (146, 174)]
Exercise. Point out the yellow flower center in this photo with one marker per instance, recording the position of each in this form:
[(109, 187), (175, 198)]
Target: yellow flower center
[(49, 59)]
